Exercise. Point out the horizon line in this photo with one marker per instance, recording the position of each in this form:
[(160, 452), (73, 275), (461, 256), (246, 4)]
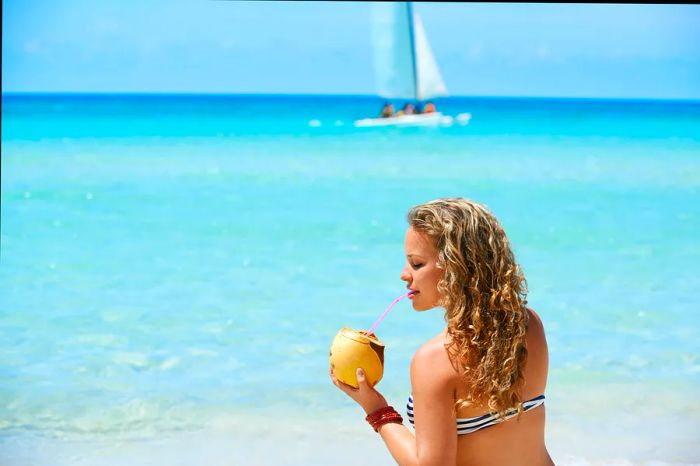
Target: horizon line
[(317, 95)]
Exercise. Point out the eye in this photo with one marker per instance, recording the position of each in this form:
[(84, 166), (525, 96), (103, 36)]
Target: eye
[(416, 266)]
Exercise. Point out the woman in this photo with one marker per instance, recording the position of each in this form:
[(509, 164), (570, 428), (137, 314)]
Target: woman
[(478, 386)]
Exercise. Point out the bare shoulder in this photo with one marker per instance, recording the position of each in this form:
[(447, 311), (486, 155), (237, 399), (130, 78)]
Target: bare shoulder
[(432, 351), (432, 360), (536, 339), (537, 368), (535, 322)]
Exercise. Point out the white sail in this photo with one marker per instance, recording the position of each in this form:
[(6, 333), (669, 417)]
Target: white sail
[(429, 82), (404, 64), (393, 51)]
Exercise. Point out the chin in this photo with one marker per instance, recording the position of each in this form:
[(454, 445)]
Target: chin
[(418, 307), (421, 306)]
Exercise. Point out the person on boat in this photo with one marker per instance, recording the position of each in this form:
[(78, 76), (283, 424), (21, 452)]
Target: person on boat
[(408, 109), (478, 386), (429, 107), (387, 110), (418, 109)]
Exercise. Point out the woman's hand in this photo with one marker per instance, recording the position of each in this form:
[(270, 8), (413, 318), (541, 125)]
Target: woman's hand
[(367, 397)]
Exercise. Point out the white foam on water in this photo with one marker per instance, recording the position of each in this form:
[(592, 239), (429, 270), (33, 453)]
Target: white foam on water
[(232, 444), (330, 438)]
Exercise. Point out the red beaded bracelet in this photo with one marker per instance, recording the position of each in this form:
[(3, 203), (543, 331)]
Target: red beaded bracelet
[(383, 416)]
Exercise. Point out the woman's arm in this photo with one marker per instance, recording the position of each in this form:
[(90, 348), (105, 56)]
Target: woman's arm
[(435, 442), (432, 379), (397, 437), (401, 444)]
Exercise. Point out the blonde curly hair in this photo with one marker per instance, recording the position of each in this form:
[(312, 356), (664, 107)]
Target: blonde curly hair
[(483, 292)]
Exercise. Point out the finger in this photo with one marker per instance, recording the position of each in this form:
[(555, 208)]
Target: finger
[(333, 377), (361, 379), (344, 387), (332, 372), (347, 389)]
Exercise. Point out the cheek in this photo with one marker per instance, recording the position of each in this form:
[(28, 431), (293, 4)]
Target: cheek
[(436, 280), (437, 276), (430, 284)]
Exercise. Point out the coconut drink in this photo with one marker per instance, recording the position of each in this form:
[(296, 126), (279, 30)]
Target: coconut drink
[(352, 349)]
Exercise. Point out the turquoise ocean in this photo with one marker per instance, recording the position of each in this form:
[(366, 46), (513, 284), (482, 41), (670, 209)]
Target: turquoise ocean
[(174, 267)]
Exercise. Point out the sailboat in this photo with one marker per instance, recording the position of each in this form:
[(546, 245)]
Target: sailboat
[(404, 65)]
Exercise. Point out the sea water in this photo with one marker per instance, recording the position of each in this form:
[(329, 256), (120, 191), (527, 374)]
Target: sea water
[(173, 269)]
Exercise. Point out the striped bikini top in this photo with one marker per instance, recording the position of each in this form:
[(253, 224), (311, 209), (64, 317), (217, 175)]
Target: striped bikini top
[(467, 425)]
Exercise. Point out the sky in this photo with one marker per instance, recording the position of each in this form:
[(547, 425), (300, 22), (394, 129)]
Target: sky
[(218, 46)]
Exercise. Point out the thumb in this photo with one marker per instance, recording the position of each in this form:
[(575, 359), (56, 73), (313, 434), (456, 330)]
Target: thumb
[(360, 376)]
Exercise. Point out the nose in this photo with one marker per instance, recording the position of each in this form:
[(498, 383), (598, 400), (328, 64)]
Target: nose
[(405, 274)]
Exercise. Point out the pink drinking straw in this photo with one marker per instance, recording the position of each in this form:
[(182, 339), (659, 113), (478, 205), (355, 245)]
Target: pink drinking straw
[(371, 329)]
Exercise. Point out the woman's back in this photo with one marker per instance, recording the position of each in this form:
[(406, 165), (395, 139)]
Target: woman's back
[(516, 440)]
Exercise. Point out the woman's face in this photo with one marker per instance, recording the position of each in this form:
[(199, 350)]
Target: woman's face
[(421, 272)]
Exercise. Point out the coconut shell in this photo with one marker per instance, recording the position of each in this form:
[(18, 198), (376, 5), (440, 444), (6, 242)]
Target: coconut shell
[(351, 349)]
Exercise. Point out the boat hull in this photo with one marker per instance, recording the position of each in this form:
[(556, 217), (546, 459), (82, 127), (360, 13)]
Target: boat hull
[(422, 119)]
